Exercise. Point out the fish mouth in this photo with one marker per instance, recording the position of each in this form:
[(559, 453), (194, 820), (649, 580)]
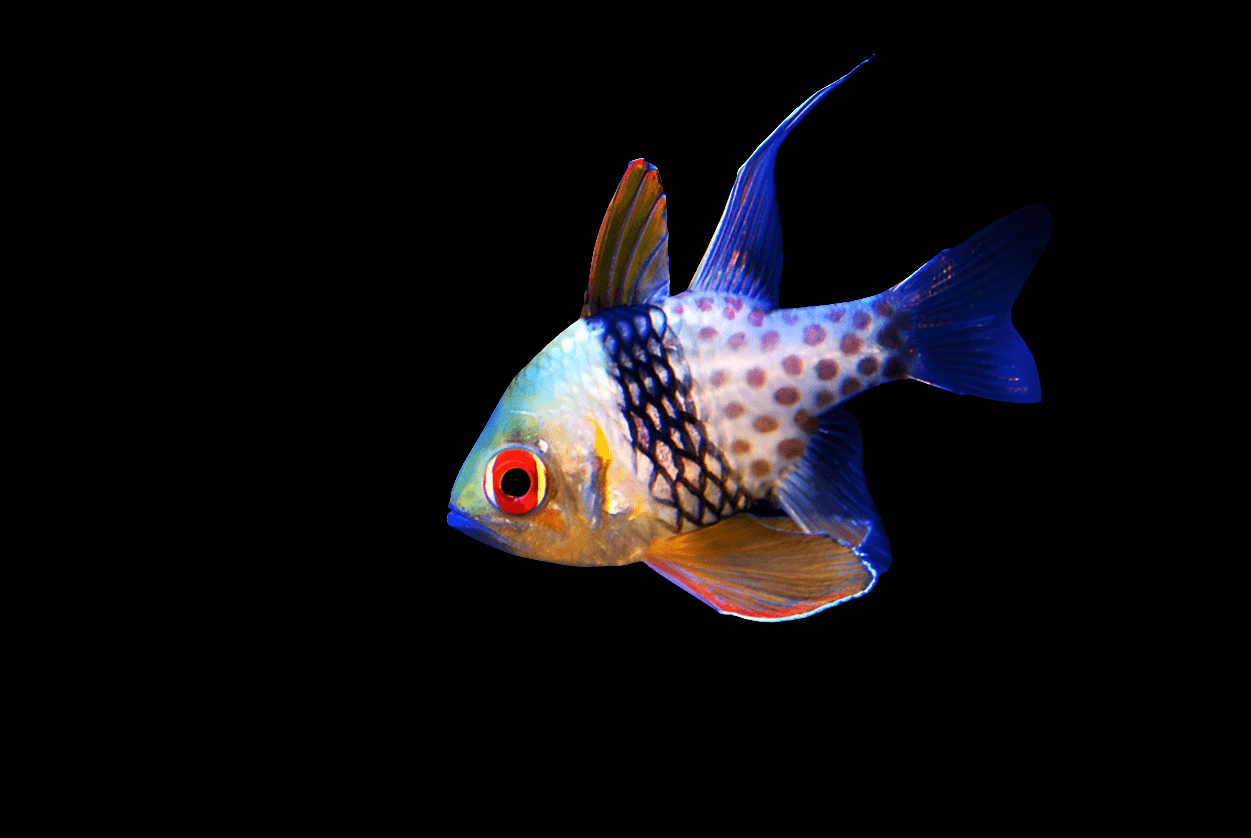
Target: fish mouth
[(475, 530)]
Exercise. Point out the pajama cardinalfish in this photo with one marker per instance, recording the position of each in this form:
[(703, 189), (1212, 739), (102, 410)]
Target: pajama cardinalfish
[(704, 433)]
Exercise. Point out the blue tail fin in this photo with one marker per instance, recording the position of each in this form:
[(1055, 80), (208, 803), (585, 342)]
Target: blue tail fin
[(959, 305)]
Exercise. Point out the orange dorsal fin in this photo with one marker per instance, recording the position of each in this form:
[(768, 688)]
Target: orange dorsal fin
[(761, 568), (631, 260)]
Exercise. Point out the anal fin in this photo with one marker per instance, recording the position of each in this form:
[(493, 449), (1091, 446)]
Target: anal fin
[(761, 569)]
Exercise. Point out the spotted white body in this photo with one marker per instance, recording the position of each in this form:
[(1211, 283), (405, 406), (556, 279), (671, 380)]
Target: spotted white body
[(761, 378), (679, 430)]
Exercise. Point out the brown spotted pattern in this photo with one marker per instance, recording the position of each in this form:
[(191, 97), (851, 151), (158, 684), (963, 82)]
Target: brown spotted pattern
[(807, 421), (791, 449), (786, 395), (770, 375), (890, 338)]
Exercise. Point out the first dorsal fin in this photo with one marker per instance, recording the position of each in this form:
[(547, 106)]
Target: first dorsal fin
[(761, 568), (745, 254), (630, 264)]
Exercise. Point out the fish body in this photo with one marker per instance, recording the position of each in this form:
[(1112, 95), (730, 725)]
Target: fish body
[(703, 432), (762, 378)]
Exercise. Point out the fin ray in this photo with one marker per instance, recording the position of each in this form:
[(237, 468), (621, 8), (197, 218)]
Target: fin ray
[(630, 263), (745, 254), (761, 570)]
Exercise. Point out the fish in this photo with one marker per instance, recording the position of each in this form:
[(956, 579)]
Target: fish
[(704, 433)]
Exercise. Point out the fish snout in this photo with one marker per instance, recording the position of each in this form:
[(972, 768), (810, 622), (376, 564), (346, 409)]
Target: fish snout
[(473, 528)]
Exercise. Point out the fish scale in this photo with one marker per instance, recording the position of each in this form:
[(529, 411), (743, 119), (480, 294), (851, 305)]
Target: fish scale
[(760, 379), (675, 457)]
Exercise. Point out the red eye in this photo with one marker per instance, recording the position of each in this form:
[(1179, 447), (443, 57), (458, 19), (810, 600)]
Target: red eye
[(515, 481)]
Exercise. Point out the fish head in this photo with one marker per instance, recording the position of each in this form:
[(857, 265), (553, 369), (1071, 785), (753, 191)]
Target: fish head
[(551, 476)]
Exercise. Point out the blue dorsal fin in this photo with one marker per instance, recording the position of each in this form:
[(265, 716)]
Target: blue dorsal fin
[(745, 254), (630, 263), (826, 490)]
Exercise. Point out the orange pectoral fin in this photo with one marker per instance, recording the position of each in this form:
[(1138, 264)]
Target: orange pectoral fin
[(761, 571)]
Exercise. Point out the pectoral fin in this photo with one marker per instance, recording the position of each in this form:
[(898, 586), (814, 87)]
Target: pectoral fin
[(761, 569), (826, 490)]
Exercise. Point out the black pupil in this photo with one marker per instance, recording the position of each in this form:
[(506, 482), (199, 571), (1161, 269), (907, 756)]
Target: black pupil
[(515, 482)]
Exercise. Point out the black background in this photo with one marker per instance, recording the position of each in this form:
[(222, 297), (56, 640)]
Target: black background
[(913, 154)]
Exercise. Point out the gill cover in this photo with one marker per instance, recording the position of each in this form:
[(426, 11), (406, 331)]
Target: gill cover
[(551, 477)]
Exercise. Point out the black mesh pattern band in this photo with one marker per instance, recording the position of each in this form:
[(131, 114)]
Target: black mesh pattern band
[(689, 473)]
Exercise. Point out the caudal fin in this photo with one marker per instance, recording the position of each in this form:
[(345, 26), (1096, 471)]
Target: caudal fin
[(958, 328)]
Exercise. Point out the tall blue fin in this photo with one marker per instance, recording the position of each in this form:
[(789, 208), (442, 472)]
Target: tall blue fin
[(959, 304), (825, 492), (630, 263), (745, 254)]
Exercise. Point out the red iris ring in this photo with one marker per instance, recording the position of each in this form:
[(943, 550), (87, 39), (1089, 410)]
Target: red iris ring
[(500, 465)]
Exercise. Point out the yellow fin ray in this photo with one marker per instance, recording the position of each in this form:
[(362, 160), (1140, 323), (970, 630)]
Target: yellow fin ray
[(630, 263), (761, 569)]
